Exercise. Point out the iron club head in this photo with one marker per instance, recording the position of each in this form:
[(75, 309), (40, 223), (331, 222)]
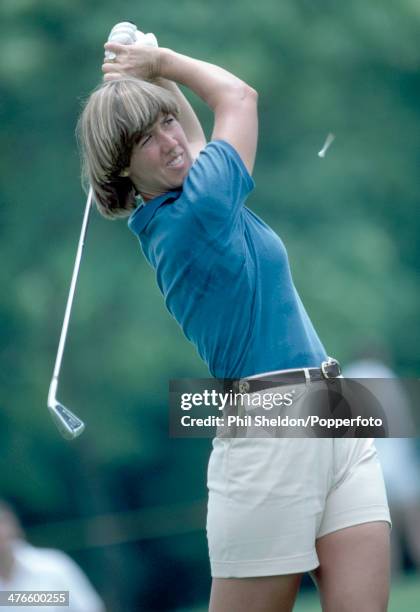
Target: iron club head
[(68, 424)]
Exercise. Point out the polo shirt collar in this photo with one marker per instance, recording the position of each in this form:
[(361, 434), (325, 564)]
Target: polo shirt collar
[(140, 217)]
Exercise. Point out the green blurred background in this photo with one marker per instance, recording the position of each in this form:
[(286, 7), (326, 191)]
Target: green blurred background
[(124, 500)]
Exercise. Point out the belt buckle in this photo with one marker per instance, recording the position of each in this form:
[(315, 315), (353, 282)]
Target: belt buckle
[(243, 386), (327, 366)]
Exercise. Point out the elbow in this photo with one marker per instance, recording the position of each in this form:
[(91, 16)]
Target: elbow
[(236, 96), (243, 94), (251, 93), (247, 93)]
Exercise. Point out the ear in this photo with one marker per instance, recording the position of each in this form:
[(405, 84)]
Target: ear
[(125, 172)]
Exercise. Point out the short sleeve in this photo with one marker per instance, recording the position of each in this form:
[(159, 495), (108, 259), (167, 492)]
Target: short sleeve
[(217, 186)]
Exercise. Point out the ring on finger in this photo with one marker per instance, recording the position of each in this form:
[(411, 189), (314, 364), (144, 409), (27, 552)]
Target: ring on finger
[(110, 56)]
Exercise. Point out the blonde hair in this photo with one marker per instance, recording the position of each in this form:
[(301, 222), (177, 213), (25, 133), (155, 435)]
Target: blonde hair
[(114, 118)]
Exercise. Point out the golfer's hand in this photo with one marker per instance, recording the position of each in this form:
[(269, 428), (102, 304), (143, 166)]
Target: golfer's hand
[(134, 60)]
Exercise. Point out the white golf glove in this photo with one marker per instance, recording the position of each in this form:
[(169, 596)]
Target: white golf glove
[(126, 33)]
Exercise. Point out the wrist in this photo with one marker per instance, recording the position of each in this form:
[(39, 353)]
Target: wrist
[(165, 59)]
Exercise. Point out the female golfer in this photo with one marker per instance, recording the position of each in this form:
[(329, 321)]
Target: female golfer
[(277, 507)]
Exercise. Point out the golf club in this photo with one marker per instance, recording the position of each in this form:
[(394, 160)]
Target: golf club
[(68, 424)]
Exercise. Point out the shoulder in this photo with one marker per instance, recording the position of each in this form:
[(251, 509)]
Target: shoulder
[(218, 173), (220, 155)]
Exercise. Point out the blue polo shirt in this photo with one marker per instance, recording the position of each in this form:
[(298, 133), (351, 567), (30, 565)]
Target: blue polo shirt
[(224, 273)]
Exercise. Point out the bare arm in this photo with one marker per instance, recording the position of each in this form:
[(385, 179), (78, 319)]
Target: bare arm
[(233, 102)]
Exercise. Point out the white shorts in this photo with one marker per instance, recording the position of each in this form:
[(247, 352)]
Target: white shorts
[(270, 499)]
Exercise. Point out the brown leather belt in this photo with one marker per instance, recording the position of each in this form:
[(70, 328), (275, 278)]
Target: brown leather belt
[(329, 369)]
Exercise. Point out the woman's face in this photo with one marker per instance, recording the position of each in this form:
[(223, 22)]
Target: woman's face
[(161, 159)]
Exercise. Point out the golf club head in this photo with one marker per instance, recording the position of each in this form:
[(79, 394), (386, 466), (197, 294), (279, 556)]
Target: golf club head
[(68, 424)]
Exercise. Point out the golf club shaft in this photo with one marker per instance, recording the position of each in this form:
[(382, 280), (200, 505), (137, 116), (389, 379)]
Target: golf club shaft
[(72, 290)]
